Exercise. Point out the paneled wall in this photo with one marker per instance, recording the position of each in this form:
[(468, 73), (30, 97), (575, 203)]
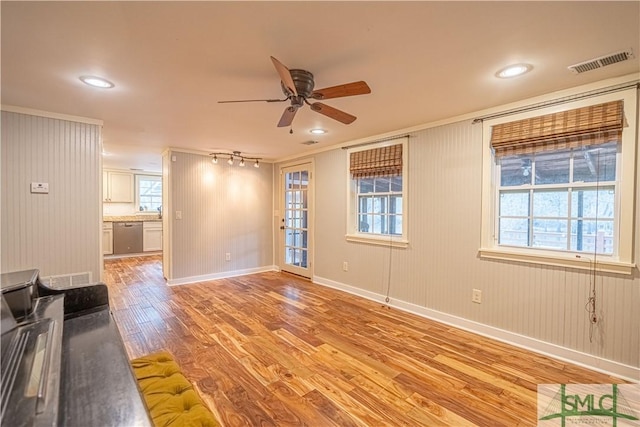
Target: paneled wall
[(58, 232), (441, 266), (225, 210)]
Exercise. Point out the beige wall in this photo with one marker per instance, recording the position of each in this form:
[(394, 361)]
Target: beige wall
[(225, 209), (59, 232), (436, 274)]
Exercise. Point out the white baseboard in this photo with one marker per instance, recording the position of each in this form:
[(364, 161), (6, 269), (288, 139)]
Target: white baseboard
[(221, 275), (589, 361)]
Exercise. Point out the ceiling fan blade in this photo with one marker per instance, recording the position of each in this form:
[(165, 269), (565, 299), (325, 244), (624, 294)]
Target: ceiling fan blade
[(349, 89), (254, 100), (333, 113), (285, 75), (287, 117)]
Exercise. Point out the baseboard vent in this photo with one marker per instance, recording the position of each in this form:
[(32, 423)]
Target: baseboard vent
[(603, 61), (67, 280)]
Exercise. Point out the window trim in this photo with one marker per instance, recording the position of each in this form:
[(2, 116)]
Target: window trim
[(622, 261), (352, 234), (137, 191)]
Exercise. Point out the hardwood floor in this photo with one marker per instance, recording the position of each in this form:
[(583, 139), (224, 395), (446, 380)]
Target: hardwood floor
[(271, 349)]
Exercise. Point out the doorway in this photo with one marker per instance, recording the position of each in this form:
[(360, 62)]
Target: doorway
[(296, 222)]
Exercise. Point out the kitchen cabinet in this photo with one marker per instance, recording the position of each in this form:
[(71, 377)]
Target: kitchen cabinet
[(107, 238), (117, 187), (152, 236)]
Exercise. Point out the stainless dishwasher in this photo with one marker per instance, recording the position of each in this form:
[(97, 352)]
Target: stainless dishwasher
[(127, 237)]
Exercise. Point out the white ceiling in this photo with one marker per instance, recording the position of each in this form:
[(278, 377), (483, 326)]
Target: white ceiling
[(172, 61)]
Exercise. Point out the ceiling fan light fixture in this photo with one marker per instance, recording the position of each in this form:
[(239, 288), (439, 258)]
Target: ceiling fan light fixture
[(514, 70), (318, 131), (98, 82)]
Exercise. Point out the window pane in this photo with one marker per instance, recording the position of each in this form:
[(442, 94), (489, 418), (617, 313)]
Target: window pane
[(584, 236), (382, 185), (552, 167), (550, 233), (364, 224), (149, 193), (584, 203), (595, 163), (550, 203), (377, 224), (366, 185), (396, 183), (366, 204), (395, 224), (515, 170), (514, 203), (514, 232), (395, 204), (380, 204)]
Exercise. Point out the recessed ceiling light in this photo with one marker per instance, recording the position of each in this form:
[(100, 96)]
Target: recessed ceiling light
[(97, 82), (318, 131), (514, 71)]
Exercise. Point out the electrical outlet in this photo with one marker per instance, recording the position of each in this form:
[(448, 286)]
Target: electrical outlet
[(227, 256), (476, 296), (345, 266)]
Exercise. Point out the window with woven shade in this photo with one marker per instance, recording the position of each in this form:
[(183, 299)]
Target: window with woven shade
[(381, 161), (580, 127), (561, 184), (377, 208)]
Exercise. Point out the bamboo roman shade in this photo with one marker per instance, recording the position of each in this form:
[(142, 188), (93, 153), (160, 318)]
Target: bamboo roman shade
[(595, 124), (382, 161)]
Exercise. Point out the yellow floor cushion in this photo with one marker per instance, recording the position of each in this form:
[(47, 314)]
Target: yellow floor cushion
[(170, 397)]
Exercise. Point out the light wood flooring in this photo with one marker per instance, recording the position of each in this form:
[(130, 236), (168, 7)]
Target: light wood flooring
[(272, 349)]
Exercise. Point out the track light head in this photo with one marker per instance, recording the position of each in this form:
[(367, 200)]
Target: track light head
[(215, 159), (256, 164), (241, 163), (230, 161)]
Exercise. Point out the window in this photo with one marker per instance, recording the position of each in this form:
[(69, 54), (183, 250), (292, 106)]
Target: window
[(560, 200), (149, 193), (558, 187), (377, 189), (380, 205)]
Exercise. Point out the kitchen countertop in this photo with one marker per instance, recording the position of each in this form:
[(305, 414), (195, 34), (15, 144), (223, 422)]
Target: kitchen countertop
[(131, 218)]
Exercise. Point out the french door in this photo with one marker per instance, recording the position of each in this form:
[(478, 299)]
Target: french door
[(296, 221)]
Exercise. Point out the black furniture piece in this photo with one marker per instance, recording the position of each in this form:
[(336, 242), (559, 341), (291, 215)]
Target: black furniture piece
[(63, 360)]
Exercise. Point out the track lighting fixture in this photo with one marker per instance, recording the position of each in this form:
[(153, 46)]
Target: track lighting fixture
[(232, 156)]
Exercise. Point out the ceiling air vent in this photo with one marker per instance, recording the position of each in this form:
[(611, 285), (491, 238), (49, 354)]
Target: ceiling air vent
[(602, 61)]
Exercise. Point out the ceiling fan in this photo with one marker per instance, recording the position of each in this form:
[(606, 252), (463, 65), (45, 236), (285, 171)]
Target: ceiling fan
[(297, 86)]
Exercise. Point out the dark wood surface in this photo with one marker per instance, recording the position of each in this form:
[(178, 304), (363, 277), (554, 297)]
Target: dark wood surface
[(272, 349)]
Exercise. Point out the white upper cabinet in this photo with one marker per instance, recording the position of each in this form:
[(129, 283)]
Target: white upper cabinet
[(117, 187)]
